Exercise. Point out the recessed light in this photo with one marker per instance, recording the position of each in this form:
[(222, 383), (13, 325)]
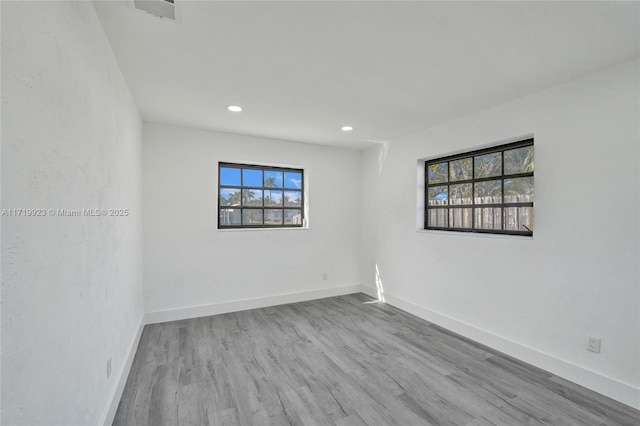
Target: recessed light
[(234, 108), (346, 128)]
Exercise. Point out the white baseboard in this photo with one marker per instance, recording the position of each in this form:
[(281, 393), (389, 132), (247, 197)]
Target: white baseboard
[(369, 291), (112, 405), (243, 305), (614, 389)]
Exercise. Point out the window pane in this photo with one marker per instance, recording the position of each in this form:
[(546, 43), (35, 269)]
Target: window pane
[(229, 196), (461, 194), (438, 196), (438, 172), (518, 160), (293, 217), (293, 180), (272, 197), (273, 179), (292, 199), (488, 165), (438, 217), (518, 218), (259, 196), (273, 217), (518, 190), (461, 169), (251, 177), (489, 192), (252, 197), (252, 216), (460, 218), (229, 176), (488, 218), (229, 217)]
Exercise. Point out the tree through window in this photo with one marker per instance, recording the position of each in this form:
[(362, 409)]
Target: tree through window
[(252, 196), (489, 190)]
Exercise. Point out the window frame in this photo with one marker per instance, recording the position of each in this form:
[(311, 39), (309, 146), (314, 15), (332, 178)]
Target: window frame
[(263, 208), (502, 177)]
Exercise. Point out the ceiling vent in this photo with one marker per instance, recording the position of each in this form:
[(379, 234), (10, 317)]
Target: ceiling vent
[(160, 8)]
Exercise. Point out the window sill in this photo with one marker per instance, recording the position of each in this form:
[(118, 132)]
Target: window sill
[(476, 234), (293, 228)]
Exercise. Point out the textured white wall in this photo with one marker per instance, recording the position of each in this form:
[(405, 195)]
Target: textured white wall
[(71, 286), (577, 276), (189, 262)]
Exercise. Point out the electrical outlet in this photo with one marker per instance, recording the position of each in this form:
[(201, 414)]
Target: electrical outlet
[(593, 344), (109, 367)]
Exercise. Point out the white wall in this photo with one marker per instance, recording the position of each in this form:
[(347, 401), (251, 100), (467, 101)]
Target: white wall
[(189, 262), (577, 276), (71, 286)]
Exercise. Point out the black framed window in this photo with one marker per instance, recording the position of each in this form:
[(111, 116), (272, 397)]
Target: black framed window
[(489, 190), (251, 196)]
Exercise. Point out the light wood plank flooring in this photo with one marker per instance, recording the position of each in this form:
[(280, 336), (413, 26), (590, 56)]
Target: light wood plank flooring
[(344, 360)]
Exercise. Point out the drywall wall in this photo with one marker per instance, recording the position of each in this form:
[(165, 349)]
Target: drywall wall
[(71, 285), (577, 276), (189, 262)]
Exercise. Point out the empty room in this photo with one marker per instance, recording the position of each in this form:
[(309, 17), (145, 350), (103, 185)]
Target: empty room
[(320, 213)]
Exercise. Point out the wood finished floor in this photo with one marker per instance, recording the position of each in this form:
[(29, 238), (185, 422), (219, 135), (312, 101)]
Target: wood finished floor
[(342, 361)]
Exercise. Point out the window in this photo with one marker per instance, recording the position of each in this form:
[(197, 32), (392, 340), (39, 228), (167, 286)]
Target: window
[(259, 196), (489, 190)]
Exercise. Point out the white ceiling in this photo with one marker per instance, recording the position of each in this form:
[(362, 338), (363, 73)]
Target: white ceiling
[(302, 70)]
